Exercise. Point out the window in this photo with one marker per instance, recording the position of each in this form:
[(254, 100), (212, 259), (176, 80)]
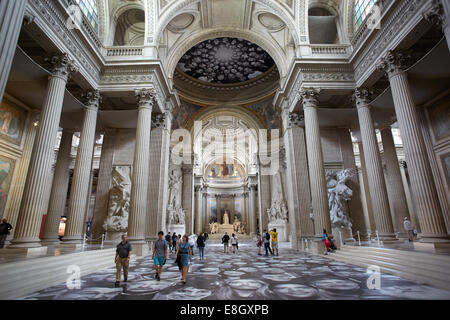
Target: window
[(90, 10), (362, 9)]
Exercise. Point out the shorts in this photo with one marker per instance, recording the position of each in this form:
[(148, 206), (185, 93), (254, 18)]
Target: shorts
[(274, 245), (159, 261)]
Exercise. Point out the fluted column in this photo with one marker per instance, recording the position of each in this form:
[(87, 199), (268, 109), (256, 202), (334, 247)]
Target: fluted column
[(82, 172), (139, 182), (424, 191), (58, 195), (252, 209), (198, 209), (11, 18), (37, 187), (394, 177), (319, 191), (188, 197), (205, 213), (375, 175), (370, 220)]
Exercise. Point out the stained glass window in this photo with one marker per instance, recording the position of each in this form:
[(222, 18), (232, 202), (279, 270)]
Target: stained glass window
[(362, 9), (90, 10)]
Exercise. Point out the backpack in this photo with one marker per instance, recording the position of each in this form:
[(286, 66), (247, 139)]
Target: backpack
[(3, 228), (267, 236)]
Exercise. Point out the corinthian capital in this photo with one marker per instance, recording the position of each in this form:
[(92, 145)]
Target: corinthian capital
[(393, 62), (92, 99), (145, 97), (361, 97), (436, 14), (309, 97), (61, 65)]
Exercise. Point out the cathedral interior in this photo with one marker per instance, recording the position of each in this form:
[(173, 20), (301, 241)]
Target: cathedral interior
[(237, 117)]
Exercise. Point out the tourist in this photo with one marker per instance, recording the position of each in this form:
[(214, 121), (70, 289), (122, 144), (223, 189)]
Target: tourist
[(192, 242), (259, 243), (122, 259), (266, 239), (205, 236), (168, 239), (201, 246), (159, 255), (174, 241), (183, 256), (225, 240), (408, 229), (326, 242), (234, 243), (274, 235), (5, 227)]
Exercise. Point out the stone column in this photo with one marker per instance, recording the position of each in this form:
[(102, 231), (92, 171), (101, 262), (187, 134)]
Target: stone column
[(139, 180), (318, 183), (423, 189), (252, 209), (439, 14), (82, 172), (37, 187), (12, 208), (397, 192), (187, 202), (370, 220), (205, 213), (11, 18), (375, 174), (264, 188), (158, 175), (219, 216), (60, 185), (198, 209), (297, 177), (103, 185)]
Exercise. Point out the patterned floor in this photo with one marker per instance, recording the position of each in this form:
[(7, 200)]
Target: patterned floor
[(245, 275)]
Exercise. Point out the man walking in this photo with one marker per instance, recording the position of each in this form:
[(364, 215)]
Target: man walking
[(174, 242), (225, 240), (201, 246), (266, 238), (159, 255), (5, 227), (122, 259), (274, 235), (408, 229)]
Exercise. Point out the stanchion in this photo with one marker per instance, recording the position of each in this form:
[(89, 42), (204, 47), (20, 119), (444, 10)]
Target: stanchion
[(340, 238), (378, 238), (359, 239)]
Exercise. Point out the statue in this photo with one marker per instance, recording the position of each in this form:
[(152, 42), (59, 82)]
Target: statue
[(278, 211), (236, 224), (338, 196), (176, 212), (226, 219), (214, 227), (119, 200)]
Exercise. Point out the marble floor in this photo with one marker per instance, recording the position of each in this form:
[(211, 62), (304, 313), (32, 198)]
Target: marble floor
[(243, 276)]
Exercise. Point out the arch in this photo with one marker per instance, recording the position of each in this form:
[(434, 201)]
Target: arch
[(329, 27), (175, 53), (178, 6)]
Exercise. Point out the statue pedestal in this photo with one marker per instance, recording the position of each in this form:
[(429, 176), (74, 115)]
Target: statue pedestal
[(177, 228), (282, 227), (113, 237), (228, 228), (347, 236)]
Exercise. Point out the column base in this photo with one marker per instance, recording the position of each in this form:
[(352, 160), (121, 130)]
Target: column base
[(440, 246), (50, 242), (140, 249), (69, 245), (25, 251)]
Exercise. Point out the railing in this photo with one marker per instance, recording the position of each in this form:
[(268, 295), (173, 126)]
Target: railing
[(326, 49), (124, 51)]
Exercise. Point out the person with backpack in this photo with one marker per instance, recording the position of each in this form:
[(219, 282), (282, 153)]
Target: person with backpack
[(168, 239), (225, 240), (5, 227), (259, 243), (266, 239), (201, 246), (234, 243), (174, 241)]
